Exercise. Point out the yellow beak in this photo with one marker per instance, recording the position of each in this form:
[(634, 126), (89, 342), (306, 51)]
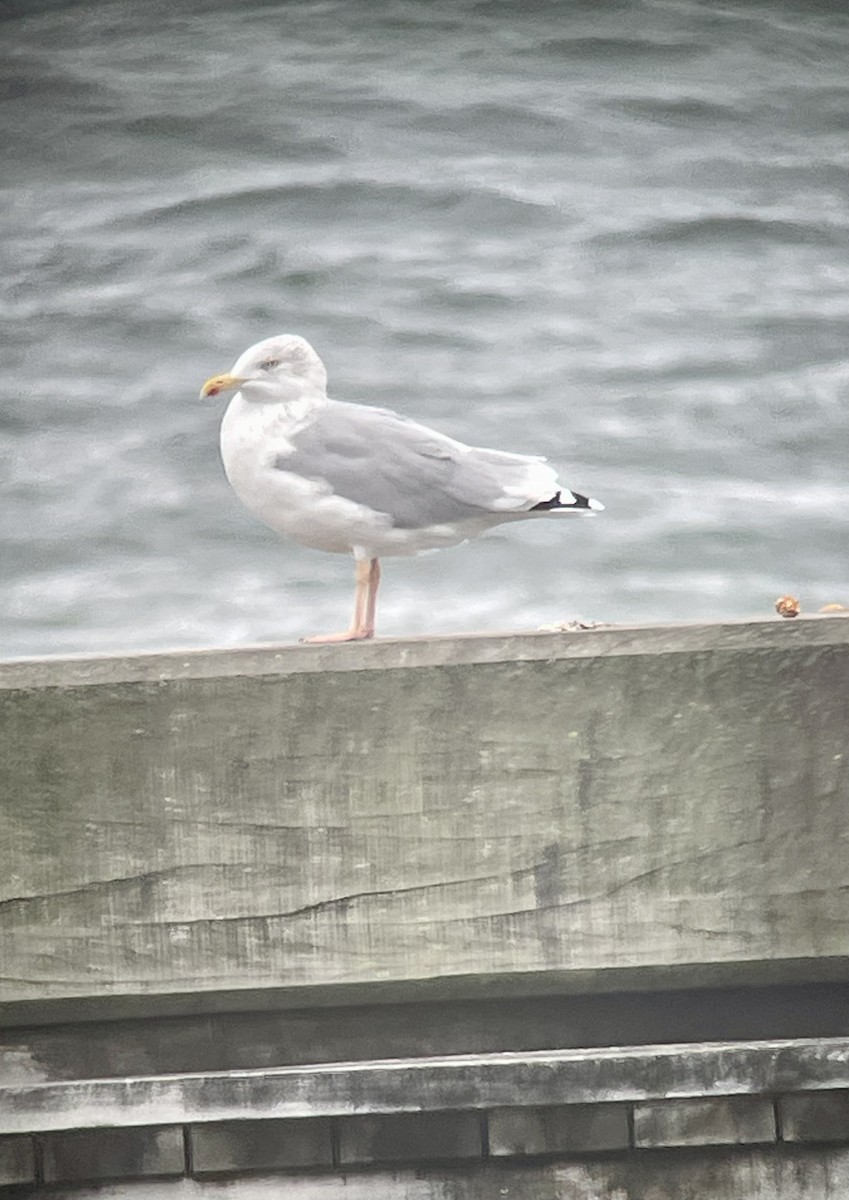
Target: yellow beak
[(220, 383)]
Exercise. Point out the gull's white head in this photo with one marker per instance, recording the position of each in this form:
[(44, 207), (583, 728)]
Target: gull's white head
[(280, 368)]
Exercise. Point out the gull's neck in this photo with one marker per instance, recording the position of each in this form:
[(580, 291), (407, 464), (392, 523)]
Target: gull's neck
[(290, 398), (302, 404), (290, 391), (254, 431)]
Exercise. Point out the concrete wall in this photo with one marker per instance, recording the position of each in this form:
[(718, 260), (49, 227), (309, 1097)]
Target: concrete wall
[(587, 809), (228, 862)]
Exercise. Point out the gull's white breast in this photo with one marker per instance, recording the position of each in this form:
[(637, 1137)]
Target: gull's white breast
[(254, 437), (255, 441)]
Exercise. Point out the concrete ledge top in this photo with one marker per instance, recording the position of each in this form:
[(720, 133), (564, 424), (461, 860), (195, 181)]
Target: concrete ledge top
[(461, 1081), (389, 653)]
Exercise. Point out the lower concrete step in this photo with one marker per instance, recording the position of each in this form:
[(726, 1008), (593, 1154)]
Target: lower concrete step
[(451, 1083)]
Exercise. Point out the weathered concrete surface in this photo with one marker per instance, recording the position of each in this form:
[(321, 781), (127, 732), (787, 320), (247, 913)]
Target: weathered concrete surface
[(762, 1174), (585, 808), (409, 1137), (258, 1145), (559, 1129), (110, 1153), (815, 1117), (419, 1085), (17, 1160), (716, 1122)]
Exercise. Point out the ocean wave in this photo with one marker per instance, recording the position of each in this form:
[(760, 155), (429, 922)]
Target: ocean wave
[(679, 110), (351, 198), (222, 129), (488, 117), (732, 228), (613, 47), (38, 84)]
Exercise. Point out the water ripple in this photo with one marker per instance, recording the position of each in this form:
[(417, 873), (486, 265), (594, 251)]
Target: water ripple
[(616, 235)]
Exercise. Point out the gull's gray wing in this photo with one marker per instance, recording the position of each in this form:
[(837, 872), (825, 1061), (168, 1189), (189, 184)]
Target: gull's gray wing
[(418, 477)]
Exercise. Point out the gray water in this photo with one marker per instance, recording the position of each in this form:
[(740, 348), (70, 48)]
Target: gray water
[(616, 234)]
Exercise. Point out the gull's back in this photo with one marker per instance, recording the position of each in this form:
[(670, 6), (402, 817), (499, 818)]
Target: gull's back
[(416, 476)]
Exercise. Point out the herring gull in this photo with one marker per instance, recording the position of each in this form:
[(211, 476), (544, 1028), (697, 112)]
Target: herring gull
[(359, 480)]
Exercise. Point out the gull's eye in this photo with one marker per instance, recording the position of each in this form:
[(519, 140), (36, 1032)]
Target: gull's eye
[(269, 364)]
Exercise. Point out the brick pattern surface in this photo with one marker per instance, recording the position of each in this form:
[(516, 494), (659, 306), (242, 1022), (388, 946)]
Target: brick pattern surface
[(815, 1117), (252, 1145), (17, 1160), (296, 1144), (566, 1128), (113, 1154), (731, 1120), (407, 1137)]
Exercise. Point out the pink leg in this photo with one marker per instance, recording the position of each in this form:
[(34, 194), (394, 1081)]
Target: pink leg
[(365, 603), (371, 594)]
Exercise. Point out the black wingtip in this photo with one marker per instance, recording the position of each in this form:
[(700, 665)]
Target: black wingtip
[(565, 500)]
